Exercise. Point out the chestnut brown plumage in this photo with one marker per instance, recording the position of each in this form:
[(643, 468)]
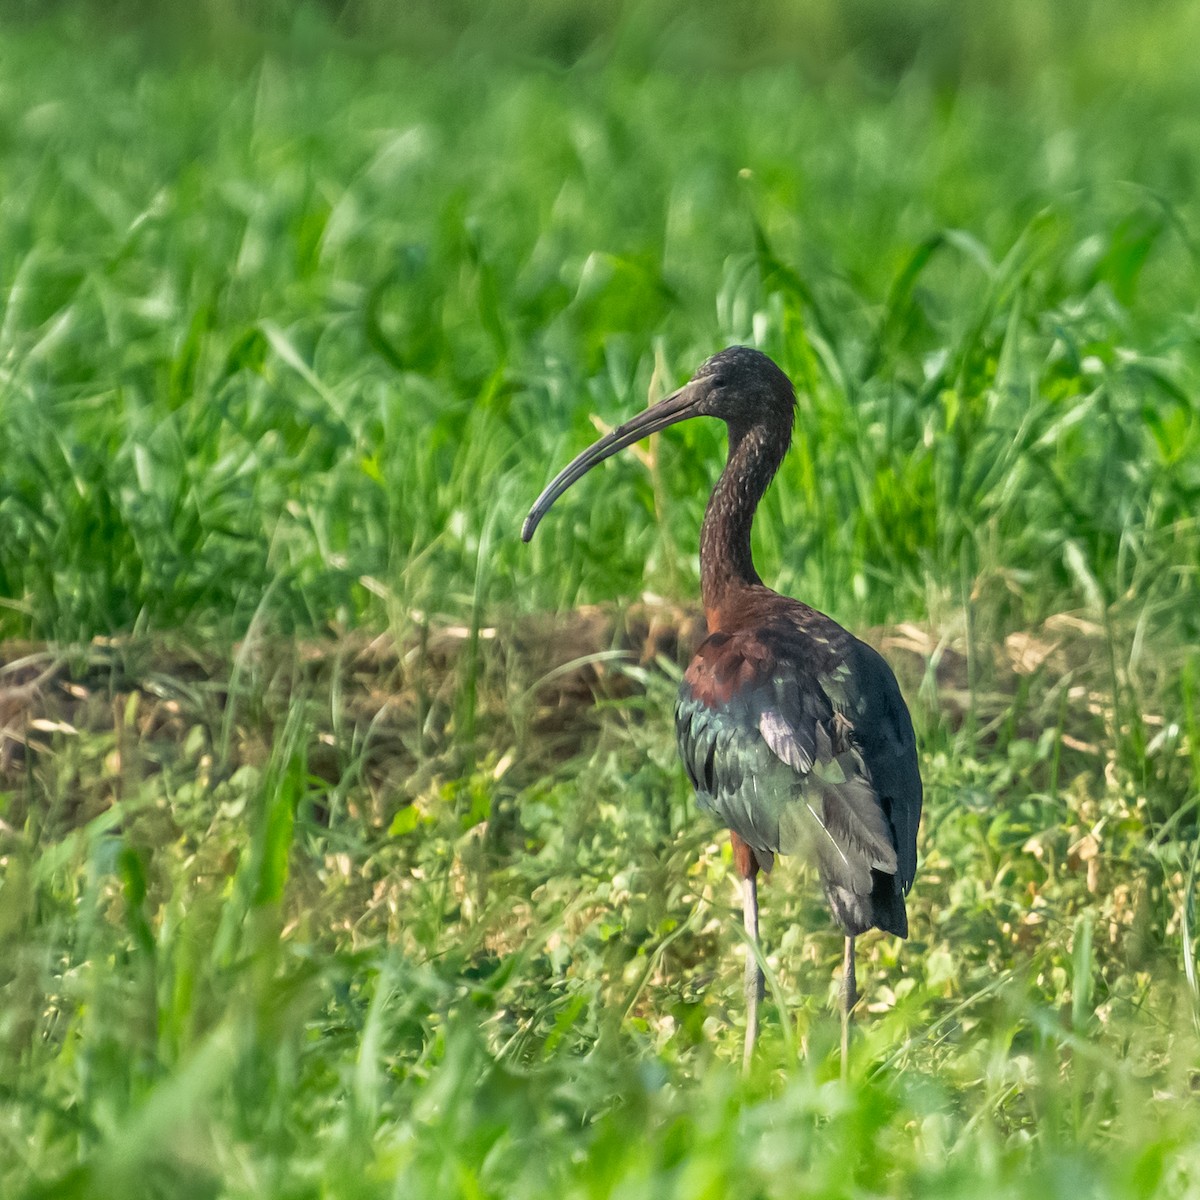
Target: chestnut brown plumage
[(791, 730)]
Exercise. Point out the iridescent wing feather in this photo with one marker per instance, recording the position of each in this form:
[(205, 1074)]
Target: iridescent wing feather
[(795, 735)]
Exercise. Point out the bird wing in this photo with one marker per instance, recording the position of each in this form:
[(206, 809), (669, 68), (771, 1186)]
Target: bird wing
[(798, 739), (883, 730)]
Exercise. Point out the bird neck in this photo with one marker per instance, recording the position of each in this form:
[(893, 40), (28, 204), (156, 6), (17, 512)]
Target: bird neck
[(726, 564)]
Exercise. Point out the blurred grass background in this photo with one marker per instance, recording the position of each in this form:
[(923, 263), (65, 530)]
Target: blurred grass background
[(301, 306), (256, 261)]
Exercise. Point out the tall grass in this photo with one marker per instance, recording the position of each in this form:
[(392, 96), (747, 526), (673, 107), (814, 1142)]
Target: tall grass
[(301, 308), (243, 298)]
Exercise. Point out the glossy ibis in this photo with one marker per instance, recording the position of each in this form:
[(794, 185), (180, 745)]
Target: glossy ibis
[(792, 731)]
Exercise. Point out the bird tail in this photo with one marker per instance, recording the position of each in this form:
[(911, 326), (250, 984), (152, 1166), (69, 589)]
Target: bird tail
[(882, 909), (839, 824), (887, 904)]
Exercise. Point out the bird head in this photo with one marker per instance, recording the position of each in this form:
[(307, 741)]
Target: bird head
[(739, 386), (742, 387)]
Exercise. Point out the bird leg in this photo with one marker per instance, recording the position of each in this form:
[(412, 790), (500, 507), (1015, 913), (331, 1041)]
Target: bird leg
[(747, 867), (849, 1000), (754, 974)]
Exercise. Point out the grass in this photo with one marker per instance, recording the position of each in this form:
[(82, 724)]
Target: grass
[(321, 876)]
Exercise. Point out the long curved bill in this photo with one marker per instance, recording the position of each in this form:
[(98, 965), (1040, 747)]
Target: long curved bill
[(676, 407)]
